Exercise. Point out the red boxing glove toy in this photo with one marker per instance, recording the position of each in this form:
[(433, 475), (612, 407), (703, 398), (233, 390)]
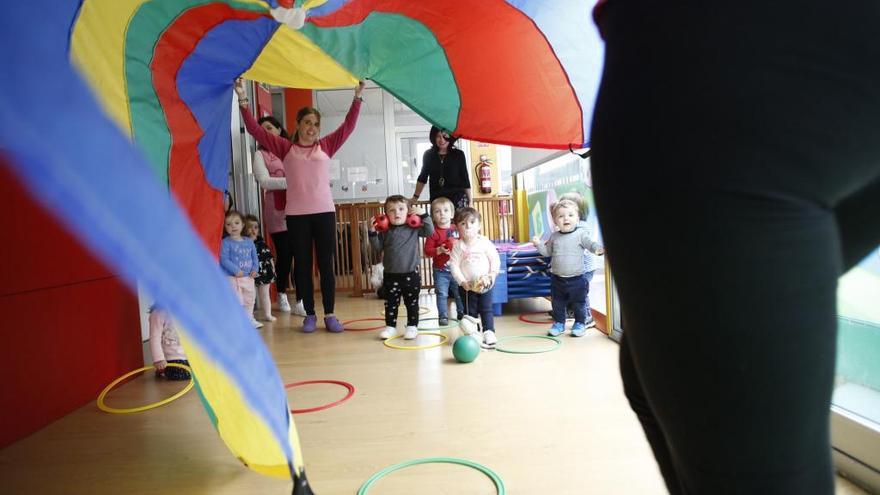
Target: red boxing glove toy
[(414, 220), (381, 222)]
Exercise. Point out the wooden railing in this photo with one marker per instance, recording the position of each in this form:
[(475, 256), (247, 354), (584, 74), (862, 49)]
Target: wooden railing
[(354, 258)]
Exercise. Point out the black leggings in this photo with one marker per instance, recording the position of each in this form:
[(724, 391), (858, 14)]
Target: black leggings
[(285, 261), (318, 229), (736, 166), (406, 285)]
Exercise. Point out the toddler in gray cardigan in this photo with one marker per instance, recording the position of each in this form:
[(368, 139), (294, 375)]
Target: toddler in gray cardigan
[(568, 284)]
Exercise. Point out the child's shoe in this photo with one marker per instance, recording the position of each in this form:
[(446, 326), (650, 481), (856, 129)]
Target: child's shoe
[(255, 323), (411, 333), (470, 325), (579, 329), (442, 321), (283, 303), (332, 324), (310, 323), (388, 333), (489, 337), (298, 308), (590, 323), (557, 329), (269, 317)]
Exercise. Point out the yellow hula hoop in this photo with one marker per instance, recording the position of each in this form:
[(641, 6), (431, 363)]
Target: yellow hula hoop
[(422, 311), (443, 340), (108, 388)]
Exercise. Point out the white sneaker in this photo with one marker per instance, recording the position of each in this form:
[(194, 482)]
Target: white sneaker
[(489, 337), (388, 333), (299, 309), (256, 323), (470, 325), (269, 317), (411, 333), (283, 304)]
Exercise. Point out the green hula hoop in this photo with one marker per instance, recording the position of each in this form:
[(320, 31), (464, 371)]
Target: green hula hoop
[(499, 485), (452, 324), (499, 348)]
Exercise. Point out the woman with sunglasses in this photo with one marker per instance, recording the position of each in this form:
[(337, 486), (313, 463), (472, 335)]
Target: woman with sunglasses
[(445, 170)]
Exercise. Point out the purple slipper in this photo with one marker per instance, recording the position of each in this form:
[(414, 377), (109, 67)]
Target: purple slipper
[(333, 324), (310, 323)]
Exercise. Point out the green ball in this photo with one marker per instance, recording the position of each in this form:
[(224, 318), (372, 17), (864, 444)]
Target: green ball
[(465, 349)]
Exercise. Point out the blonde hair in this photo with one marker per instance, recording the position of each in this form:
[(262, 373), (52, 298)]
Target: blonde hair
[(442, 201), (564, 203), (579, 200)]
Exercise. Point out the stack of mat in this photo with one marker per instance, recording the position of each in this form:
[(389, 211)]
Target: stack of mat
[(528, 273)]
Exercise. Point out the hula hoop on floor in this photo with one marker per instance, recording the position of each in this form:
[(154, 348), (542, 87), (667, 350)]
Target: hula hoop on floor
[(114, 410), (524, 318), (347, 323), (499, 348), (438, 327), (347, 385), (443, 339), (499, 484), (422, 311)]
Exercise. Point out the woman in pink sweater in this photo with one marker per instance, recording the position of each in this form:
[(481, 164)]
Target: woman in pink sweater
[(309, 210)]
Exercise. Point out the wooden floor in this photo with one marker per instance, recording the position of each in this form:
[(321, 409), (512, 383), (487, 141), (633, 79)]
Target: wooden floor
[(548, 424)]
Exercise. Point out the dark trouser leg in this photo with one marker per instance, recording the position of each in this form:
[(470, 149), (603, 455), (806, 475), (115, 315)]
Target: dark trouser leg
[(411, 290), (324, 225), (484, 302), (858, 219), (577, 297), (749, 149), (558, 298), (299, 230), (285, 260), (632, 388), (469, 300), (393, 291)]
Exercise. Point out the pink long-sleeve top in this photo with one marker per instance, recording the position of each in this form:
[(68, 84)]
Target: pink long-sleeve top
[(306, 168)]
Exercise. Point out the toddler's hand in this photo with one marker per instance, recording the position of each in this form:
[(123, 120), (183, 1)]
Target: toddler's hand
[(536, 241), (160, 366), (442, 250), (253, 274), (465, 285)]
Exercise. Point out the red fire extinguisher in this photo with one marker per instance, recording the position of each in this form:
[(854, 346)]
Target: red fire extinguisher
[(484, 174)]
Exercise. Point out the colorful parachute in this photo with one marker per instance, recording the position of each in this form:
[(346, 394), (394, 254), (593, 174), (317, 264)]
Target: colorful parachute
[(520, 72)]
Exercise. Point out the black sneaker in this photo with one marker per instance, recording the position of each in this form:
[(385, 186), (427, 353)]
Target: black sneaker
[(443, 321)]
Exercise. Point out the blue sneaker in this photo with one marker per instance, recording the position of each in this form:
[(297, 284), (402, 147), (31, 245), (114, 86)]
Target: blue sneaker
[(310, 323), (578, 329), (557, 329)]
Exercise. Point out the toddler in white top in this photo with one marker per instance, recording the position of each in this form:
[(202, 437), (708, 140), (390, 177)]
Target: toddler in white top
[(474, 263)]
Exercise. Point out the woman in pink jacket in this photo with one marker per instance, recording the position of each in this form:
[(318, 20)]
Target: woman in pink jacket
[(309, 211)]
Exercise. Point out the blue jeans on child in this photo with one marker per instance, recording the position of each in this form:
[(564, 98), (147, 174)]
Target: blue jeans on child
[(445, 286), (569, 292)]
